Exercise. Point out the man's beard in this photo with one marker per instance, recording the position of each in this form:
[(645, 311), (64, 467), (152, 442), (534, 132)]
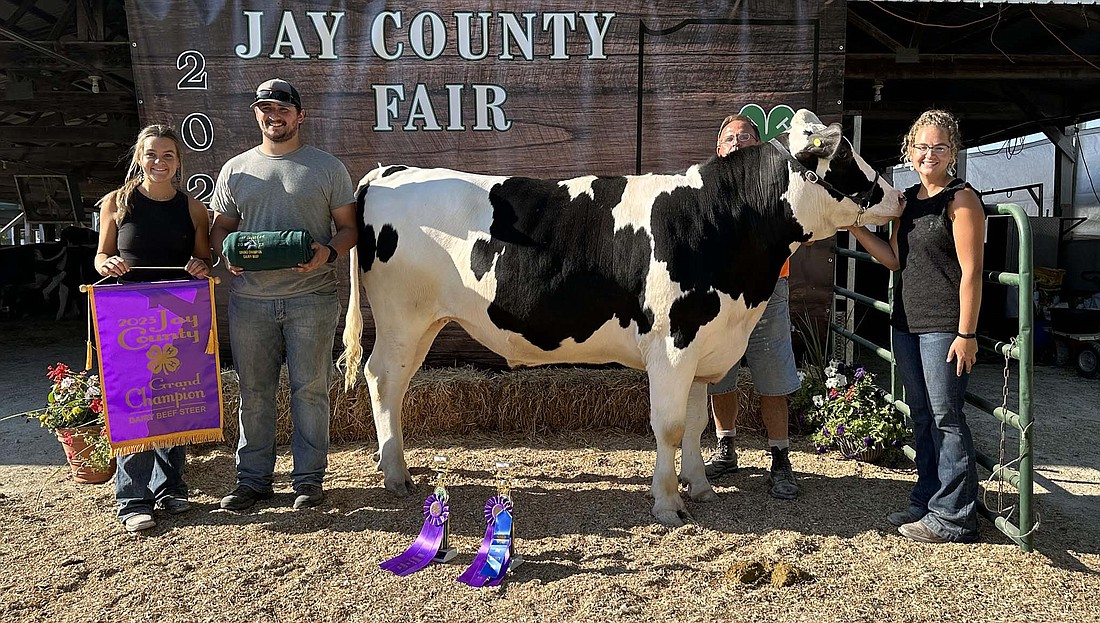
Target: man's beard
[(280, 134)]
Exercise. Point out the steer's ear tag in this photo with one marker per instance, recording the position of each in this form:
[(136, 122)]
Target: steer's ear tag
[(817, 142)]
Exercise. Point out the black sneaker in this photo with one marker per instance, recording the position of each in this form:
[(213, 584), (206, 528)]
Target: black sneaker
[(243, 498), (308, 496), (781, 481), (724, 459)]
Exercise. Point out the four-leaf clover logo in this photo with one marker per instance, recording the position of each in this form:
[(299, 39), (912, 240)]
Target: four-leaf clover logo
[(162, 360)]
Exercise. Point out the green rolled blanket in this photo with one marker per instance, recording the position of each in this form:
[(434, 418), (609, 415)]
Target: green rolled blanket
[(268, 250)]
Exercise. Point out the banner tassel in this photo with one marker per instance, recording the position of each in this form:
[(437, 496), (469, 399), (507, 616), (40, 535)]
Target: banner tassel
[(210, 342), (88, 339)]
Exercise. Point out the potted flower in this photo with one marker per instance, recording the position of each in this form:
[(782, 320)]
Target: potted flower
[(74, 413), (855, 416)]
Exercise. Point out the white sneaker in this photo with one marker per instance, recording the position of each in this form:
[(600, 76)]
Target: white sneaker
[(139, 522)]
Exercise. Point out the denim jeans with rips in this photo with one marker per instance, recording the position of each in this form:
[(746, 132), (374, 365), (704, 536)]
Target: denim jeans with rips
[(143, 478), (262, 332), (946, 494)]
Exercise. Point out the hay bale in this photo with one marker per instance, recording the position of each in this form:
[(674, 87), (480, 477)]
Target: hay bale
[(466, 399)]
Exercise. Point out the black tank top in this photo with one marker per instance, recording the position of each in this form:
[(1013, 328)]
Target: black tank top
[(926, 297), (156, 233)]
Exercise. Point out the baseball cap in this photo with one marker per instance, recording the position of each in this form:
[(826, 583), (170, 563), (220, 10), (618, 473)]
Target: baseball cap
[(279, 91)]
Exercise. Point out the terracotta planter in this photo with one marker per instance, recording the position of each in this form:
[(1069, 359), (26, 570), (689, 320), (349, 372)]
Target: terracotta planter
[(77, 450)]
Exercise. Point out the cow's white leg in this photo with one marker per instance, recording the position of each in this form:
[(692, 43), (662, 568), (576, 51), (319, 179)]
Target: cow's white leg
[(398, 352), (692, 471), (668, 401)]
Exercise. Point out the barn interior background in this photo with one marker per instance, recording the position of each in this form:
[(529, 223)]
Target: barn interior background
[(535, 88)]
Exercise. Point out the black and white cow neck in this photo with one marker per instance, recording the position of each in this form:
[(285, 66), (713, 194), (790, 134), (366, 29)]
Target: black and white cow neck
[(562, 270), (732, 235)]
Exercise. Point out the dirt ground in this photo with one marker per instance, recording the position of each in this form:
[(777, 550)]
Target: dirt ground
[(592, 551)]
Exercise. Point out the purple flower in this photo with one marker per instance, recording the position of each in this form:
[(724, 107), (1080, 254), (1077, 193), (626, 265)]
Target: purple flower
[(822, 449), (867, 441), (860, 372), (896, 443), (825, 432), (840, 430)]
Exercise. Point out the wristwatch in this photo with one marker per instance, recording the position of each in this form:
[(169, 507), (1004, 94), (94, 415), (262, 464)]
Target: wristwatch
[(332, 254)]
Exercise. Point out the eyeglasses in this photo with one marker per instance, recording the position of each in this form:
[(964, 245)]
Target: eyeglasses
[(935, 150), (740, 137)]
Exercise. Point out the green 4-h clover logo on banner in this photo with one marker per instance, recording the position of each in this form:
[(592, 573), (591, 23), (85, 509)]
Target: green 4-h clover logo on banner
[(770, 124)]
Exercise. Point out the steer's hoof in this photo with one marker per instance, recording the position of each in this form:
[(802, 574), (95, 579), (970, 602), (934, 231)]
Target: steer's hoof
[(401, 486), (673, 518), (706, 495)]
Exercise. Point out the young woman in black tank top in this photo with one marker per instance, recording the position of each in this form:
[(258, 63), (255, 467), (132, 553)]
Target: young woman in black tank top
[(149, 222), (937, 249)]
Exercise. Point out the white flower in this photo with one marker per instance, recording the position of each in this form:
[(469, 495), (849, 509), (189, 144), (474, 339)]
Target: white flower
[(841, 380), (819, 400), (93, 388), (801, 376), (831, 382), (66, 383)]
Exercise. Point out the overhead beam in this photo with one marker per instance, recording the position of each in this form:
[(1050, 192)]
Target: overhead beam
[(17, 15), (73, 155), (73, 103), (75, 63), (873, 31), (89, 20), (971, 67), (66, 134), (105, 56)]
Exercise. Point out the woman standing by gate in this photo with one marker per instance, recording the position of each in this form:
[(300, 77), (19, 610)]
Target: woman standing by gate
[(937, 250)]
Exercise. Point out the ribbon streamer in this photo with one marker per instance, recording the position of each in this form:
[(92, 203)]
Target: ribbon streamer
[(427, 543), (494, 555)]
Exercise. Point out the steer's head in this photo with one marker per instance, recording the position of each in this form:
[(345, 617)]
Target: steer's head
[(834, 187)]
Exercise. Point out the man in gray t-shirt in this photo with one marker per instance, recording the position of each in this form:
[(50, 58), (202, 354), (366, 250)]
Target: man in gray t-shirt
[(282, 184)]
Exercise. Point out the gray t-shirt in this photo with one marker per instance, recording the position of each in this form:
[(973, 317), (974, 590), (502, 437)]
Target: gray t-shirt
[(298, 190)]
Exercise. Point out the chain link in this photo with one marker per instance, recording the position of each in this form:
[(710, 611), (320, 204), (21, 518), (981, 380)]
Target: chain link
[(1004, 410)]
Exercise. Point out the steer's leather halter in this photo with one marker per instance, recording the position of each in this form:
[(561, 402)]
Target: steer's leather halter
[(863, 199)]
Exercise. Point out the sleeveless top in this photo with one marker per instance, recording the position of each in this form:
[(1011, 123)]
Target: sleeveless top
[(926, 295), (157, 233)]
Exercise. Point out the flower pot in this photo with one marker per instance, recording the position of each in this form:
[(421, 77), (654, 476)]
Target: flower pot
[(77, 450), (860, 452)]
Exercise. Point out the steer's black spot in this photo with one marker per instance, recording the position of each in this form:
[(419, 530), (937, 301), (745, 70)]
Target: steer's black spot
[(731, 235), (397, 168), (562, 270), (387, 242), (367, 244)]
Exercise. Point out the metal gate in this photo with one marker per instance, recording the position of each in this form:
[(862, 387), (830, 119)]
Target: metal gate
[(1019, 348)]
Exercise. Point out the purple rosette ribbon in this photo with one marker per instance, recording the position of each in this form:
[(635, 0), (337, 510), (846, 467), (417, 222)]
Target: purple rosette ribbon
[(494, 506), (427, 543)]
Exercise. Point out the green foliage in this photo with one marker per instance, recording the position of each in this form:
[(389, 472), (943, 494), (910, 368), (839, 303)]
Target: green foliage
[(852, 412), (75, 400)]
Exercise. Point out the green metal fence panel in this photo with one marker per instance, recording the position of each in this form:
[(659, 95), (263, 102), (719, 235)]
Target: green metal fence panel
[(1022, 476)]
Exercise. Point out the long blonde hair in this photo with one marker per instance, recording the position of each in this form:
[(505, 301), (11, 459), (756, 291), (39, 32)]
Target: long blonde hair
[(134, 175), (940, 119)]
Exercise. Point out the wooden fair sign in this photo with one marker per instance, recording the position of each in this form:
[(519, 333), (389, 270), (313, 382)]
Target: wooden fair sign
[(530, 88), (542, 89)]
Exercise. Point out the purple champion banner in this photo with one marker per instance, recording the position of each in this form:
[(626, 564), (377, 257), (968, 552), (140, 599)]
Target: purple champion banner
[(158, 361)]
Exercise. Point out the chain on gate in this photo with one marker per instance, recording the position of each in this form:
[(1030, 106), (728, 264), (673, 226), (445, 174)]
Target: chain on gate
[(1001, 466)]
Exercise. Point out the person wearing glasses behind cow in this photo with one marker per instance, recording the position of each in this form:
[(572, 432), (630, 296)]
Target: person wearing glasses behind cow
[(150, 222), (283, 184), (937, 250), (769, 355)]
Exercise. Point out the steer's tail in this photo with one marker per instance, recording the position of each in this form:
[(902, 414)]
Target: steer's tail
[(353, 329)]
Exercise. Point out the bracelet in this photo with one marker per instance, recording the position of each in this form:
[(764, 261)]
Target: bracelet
[(966, 336), (332, 256)]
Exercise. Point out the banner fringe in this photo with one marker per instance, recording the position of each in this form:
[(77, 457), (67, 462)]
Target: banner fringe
[(178, 439)]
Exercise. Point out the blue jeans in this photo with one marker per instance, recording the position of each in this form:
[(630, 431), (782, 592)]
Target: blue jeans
[(143, 478), (261, 332), (946, 493)]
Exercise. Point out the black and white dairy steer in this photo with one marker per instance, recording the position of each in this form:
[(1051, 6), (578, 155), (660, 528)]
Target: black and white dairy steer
[(665, 273)]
